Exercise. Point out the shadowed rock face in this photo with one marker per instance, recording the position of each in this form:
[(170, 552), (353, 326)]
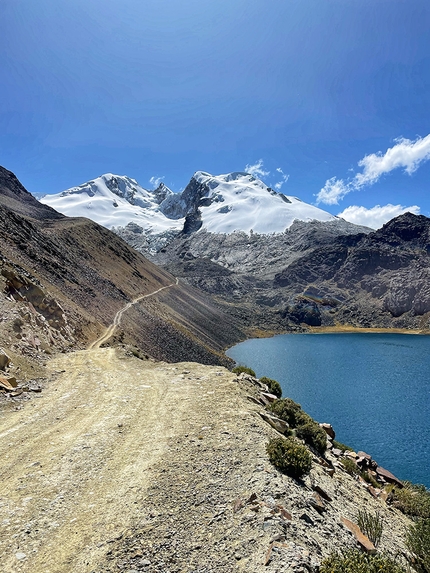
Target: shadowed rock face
[(15, 197), (316, 274)]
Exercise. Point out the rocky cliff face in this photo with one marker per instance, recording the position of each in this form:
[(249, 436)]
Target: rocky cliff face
[(316, 274)]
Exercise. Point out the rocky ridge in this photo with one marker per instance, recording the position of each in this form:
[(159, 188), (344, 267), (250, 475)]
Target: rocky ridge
[(316, 274)]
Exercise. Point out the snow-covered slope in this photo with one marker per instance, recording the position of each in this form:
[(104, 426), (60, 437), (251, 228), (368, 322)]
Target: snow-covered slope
[(239, 201), (217, 204), (114, 201)]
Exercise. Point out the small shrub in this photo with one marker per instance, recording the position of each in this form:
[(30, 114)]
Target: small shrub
[(370, 479), (418, 543), (246, 369), (412, 499), (341, 446), (312, 433), (350, 466), (289, 456), (287, 410), (370, 525), (273, 385), (355, 561)]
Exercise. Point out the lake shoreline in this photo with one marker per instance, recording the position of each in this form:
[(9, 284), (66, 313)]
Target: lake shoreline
[(346, 329), (338, 329), (360, 384)]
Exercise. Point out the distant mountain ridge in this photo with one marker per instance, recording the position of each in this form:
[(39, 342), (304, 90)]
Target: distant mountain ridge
[(271, 261), (223, 204)]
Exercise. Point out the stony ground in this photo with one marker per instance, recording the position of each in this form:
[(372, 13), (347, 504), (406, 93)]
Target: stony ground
[(129, 465)]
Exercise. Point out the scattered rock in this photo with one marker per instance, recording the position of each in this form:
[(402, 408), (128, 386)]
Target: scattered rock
[(284, 513), (280, 425), (20, 556), (4, 359), (322, 493), (317, 503), (362, 539), (255, 400), (269, 397), (8, 383), (307, 519), (374, 491), (238, 505)]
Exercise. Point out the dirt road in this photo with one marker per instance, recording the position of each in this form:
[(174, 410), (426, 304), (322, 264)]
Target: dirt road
[(125, 465), (78, 463), (118, 317)]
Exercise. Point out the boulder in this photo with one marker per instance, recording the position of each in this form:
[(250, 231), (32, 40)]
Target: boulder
[(4, 359), (388, 476), (328, 428), (280, 425)]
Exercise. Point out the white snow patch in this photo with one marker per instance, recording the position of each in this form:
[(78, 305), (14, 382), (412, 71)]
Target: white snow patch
[(227, 203)]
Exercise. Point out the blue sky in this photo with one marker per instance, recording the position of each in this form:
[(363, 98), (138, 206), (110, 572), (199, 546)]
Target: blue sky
[(334, 93)]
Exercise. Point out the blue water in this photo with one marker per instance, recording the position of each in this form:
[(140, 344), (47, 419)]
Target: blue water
[(373, 388)]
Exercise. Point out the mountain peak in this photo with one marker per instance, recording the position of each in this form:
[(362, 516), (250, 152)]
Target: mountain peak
[(15, 197), (226, 203)]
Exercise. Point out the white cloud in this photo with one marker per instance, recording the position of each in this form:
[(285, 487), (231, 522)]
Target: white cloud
[(333, 190), (376, 216), (155, 181), (284, 179), (405, 154), (257, 170)]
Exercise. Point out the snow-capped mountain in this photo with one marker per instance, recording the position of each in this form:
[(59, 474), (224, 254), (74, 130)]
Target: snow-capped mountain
[(114, 201), (218, 204)]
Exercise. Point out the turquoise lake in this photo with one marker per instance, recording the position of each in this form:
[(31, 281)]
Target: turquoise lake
[(373, 388)]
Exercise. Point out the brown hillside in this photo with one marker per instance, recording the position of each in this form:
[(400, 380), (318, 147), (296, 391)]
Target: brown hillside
[(62, 281)]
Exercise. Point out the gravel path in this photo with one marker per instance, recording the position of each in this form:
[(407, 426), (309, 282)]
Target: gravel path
[(118, 317)]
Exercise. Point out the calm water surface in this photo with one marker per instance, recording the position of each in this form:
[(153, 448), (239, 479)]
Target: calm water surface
[(373, 388)]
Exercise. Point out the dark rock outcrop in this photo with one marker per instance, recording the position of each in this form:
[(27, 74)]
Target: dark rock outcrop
[(315, 274)]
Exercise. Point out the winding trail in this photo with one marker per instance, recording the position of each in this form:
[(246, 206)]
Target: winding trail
[(117, 319)]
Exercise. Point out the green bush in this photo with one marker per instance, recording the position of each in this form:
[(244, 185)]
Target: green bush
[(312, 433), (370, 525), (355, 561), (287, 410), (350, 466), (370, 479), (412, 499), (246, 369), (273, 385), (289, 456), (418, 543)]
